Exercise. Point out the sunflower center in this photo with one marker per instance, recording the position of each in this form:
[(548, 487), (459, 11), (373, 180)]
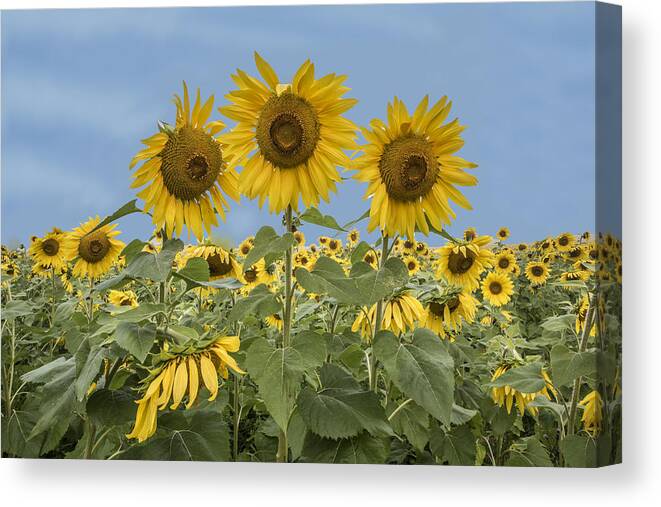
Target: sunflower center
[(503, 263), (191, 162), (217, 266), (125, 302), (495, 288), (411, 266), (563, 241), (408, 168), (245, 249), (459, 263), (250, 275), (94, 247), (50, 247), (287, 130), (537, 271)]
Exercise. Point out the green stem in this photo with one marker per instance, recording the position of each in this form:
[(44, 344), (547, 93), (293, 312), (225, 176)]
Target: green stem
[(236, 416), (587, 325), (90, 442), (379, 317), (283, 447), (91, 302)]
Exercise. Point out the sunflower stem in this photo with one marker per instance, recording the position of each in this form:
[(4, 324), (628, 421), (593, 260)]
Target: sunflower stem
[(283, 447), (91, 301), (587, 325), (385, 251)]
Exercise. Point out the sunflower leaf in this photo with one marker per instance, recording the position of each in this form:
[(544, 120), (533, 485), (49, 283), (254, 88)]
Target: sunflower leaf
[(525, 379), (268, 243), (127, 209), (423, 370), (566, 365), (362, 448), (313, 216)]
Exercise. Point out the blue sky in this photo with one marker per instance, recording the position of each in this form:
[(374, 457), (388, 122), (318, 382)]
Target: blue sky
[(80, 88)]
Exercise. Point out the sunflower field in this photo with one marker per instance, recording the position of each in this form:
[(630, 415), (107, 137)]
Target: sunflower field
[(417, 348)]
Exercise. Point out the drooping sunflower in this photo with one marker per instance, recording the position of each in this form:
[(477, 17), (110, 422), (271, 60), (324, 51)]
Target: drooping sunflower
[(508, 395), (274, 321), (179, 374), (222, 263), (94, 251), (448, 313), (581, 315), (505, 262), (565, 242), (411, 170), (289, 137), (412, 264), (537, 273), (400, 313), (497, 288), (592, 416), (185, 170), (503, 233), (47, 251), (462, 263), (123, 298)]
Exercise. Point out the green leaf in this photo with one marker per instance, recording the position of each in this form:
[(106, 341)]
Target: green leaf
[(413, 422), (132, 249), (566, 365), (278, 372), (423, 370), (196, 269), (313, 216), (559, 323), (135, 339), (362, 217), (13, 309), (363, 287), (202, 436), (363, 448), (260, 303), (359, 252), (455, 447), (268, 243), (90, 369), (525, 379), (127, 209), (49, 372), (342, 412), (528, 452), (111, 408)]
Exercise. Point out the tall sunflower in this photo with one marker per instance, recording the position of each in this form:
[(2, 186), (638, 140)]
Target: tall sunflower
[(508, 395), (503, 233), (411, 170), (222, 263), (289, 137), (400, 314), (537, 273), (186, 167), (94, 251), (47, 251), (447, 313), (505, 262), (462, 263)]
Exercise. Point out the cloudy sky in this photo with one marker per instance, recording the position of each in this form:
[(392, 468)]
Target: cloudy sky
[(80, 88)]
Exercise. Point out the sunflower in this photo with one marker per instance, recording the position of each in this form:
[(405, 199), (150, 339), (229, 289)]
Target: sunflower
[(274, 321), (222, 263), (149, 248), (304, 259), (257, 274), (94, 251), (547, 245), (289, 137), (323, 240), (371, 258), (185, 169), (470, 234), (618, 272), (399, 315), (47, 251), (421, 249), (507, 395), (581, 315), (180, 373), (462, 263), (334, 246), (497, 289), (447, 314), (411, 170), (411, 264), (123, 298), (246, 245), (505, 262), (299, 238), (592, 413), (537, 273), (577, 253), (408, 246), (503, 233), (353, 237), (574, 276), (565, 242)]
